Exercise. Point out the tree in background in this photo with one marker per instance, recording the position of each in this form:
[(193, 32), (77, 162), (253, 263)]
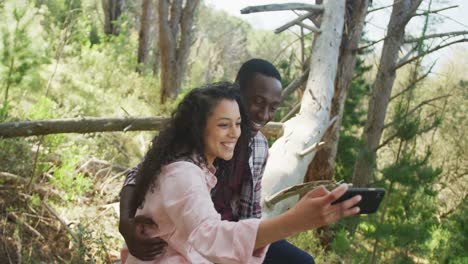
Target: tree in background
[(112, 11), (408, 225), (175, 39), (144, 33), (402, 12)]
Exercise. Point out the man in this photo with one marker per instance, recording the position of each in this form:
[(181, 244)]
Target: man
[(237, 196)]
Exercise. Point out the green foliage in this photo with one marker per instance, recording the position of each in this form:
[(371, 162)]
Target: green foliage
[(352, 123), (15, 156), (309, 241), (65, 176), (59, 11), (21, 51), (406, 226), (449, 246), (91, 247), (341, 244), (403, 226)]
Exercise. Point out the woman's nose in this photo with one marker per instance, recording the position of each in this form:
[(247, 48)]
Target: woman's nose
[(235, 132)]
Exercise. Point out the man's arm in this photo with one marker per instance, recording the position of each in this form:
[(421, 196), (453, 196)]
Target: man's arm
[(139, 246)]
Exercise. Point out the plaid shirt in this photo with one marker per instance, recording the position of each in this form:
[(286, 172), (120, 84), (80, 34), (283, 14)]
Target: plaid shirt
[(246, 204)]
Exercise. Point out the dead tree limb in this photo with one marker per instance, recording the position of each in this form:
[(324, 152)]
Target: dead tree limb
[(312, 28), (314, 147), (78, 125), (41, 189), (412, 83), (298, 189), (413, 39), (281, 7), (425, 13), (293, 22), (425, 102), (378, 8), (403, 63), (438, 35), (295, 84), (20, 221), (370, 44), (293, 111), (64, 224), (91, 125)]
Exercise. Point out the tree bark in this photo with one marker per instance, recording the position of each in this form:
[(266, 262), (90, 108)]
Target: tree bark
[(281, 7), (285, 166), (91, 125), (144, 34), (112, 11), (322, 166), (364, 167), (175, 36)]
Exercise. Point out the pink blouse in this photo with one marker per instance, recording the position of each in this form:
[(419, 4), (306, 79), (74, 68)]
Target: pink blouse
[(181, 206)]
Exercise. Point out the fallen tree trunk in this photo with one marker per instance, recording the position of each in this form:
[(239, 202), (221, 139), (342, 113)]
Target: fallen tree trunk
[(92, 125)]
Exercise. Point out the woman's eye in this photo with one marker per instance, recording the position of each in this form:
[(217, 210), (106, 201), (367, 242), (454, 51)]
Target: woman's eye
[(223, 125), (238, 124)]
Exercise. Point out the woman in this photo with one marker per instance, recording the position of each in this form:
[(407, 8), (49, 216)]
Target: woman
[(177, 175)]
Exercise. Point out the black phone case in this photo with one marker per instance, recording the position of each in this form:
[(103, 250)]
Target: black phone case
[(371, 198)]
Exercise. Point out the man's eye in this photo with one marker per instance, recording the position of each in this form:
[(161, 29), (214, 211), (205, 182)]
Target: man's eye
[(258, 100)]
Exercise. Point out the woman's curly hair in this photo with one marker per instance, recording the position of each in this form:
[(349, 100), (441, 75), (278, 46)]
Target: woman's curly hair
[(182, 136)]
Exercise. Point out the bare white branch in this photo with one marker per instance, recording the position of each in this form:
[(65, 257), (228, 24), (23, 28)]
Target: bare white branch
[(315, 146), (434, 11), (312, 28), (438, 35), (402, 63), (281, 7), (295, 21)]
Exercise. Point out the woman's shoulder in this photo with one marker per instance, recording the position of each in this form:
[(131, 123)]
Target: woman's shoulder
[(182, 164), (186, 175)]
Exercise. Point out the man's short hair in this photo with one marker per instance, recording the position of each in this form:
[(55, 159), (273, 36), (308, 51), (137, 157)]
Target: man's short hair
[(250, 68)]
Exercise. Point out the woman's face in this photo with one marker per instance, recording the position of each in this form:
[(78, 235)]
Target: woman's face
[(222, 131)]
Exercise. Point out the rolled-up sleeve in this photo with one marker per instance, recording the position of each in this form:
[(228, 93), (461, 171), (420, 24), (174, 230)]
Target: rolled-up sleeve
[(187, 201)]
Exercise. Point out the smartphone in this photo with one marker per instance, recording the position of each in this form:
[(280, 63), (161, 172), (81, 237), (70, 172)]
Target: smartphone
[(371, 198)]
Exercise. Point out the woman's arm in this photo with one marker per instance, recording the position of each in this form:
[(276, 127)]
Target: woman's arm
[(188, 203), (314, 210)]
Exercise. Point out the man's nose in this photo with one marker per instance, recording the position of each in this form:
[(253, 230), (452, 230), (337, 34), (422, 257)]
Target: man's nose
[(263, 114)]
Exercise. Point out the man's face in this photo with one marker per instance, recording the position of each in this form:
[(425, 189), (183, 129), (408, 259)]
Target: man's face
[(262, 96)]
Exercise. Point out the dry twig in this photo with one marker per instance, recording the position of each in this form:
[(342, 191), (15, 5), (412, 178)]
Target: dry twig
[(64, 224)]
